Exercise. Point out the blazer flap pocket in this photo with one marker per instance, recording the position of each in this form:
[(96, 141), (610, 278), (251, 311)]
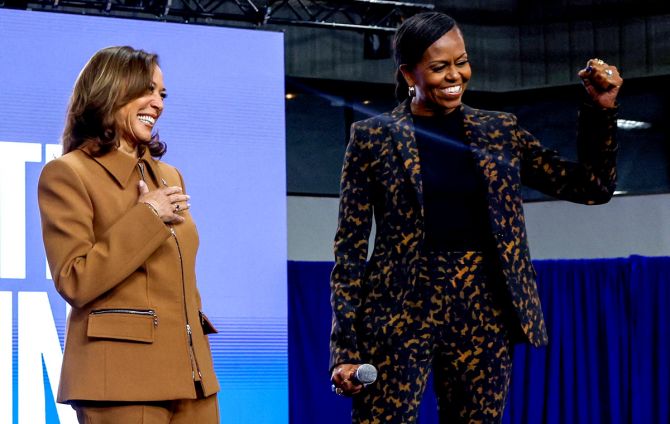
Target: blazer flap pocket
[(123, 324), (207, 326)]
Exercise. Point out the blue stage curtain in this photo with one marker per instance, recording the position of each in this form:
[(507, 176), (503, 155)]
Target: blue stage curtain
[(607, 361), (650, 340)]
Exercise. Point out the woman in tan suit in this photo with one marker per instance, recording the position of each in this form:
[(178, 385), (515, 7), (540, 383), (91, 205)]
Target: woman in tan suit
[(121, 245)]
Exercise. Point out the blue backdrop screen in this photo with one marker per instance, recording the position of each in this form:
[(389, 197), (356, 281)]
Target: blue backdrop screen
[(224, 125)]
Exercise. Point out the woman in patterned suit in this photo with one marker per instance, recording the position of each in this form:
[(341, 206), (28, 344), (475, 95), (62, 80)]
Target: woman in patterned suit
[(449, 286)]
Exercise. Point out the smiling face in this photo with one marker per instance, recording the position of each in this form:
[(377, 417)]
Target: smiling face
[(136, 119), (441, 77)]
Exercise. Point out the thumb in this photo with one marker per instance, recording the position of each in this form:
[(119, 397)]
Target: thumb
[(143, 188)]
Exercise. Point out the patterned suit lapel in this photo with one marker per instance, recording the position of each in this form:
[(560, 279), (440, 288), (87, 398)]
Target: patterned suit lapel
[(402, 132), (479, 145), (476, 137)]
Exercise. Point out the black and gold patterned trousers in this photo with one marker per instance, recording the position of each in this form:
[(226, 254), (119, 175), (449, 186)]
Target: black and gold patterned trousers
[(453, 326)]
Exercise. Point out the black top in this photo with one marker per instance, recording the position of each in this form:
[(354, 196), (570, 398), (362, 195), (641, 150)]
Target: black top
[(455, 204)]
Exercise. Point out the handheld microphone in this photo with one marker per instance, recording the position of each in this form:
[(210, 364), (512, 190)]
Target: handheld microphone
[(365, 374)]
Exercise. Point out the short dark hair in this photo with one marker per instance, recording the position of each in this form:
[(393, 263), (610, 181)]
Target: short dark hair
[(412, 39), (112, 77)]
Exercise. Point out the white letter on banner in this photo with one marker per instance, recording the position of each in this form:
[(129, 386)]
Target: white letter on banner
[(6, 392), (51, 152), (13, 158), (38, 340)]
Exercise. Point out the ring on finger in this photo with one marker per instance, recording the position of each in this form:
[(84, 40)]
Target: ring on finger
[(609, 72)]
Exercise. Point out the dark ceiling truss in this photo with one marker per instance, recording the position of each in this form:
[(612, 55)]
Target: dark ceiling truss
[(366, 15), (358, 15)]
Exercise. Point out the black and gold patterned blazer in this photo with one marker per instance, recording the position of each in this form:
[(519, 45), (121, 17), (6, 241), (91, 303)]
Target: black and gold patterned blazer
[(381, 177)]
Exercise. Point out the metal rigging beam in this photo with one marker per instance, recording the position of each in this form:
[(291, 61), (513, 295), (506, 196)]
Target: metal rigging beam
[(359, 15)]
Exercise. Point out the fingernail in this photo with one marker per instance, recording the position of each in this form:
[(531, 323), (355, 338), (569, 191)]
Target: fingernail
[(188, 197)]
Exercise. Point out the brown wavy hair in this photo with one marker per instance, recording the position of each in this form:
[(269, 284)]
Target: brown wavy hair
[(112, 77)]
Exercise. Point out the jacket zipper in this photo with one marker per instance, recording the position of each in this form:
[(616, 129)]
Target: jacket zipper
[(140, 165), (189, 333), (145, 312)]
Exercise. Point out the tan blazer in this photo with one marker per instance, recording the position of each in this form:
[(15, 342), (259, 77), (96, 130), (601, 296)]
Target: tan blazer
[(130, 279)]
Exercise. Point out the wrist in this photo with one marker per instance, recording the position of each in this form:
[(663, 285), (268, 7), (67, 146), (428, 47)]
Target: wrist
[(594, 107)]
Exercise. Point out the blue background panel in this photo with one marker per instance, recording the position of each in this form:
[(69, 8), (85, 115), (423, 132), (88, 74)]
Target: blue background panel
[(224, 126)]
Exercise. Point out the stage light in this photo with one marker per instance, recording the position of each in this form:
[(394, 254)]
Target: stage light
[(626, 124)]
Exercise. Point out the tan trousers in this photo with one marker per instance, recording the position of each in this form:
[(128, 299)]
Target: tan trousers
[(185, 411)]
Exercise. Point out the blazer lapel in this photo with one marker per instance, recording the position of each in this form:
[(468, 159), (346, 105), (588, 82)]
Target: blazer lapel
[(122, 166), (484, 160), (402, 132), (479, 143)]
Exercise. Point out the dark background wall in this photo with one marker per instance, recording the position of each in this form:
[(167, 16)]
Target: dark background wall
[(514, 44), (319, 113), (525, 56)]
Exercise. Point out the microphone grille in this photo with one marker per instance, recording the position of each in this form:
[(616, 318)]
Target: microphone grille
[(366, 374)]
